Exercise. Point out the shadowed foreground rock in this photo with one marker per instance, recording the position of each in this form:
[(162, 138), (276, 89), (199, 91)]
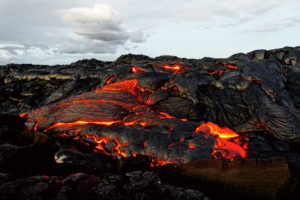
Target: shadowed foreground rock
[(134, 185)]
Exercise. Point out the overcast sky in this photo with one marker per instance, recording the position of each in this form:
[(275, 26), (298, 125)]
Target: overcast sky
[(63, 31)]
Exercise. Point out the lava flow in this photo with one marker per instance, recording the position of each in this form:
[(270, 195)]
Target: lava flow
[(116, 121), (226, 148), (221, 71), (177, 69)]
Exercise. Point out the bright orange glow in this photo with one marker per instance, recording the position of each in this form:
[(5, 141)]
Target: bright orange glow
[(35, 128), (136, 69), (102, 141), (126, 85), (192, 146), (23, 115), (220, 72), (156, 163), (213, 129), (165, 115), (80, 122), (108, 81), (126, 97), (226, 148), (229, 66), (131, 123), (148, 101), (144, 124), (175, 68)]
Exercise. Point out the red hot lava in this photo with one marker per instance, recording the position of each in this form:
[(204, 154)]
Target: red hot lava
[(221, 71), (227, 149), (136, 69), (177, 68), (119, 104)]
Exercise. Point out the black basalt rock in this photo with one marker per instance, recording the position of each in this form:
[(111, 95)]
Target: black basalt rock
[(99, 130)]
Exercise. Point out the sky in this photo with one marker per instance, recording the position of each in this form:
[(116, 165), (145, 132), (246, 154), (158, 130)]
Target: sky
[(63, 31)]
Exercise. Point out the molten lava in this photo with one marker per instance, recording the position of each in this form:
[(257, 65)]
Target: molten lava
[(166, 115), (76, 123), (213, 129), (229, 66), (192, 146), (23, 115), (176, 68), (136, 69), (220, 72), (226, 148), (116, 121)]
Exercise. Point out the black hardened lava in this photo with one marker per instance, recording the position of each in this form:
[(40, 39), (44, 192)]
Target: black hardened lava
[(129, 129)]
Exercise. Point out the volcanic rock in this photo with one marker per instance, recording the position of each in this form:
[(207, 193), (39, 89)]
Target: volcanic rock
[(96, 129)]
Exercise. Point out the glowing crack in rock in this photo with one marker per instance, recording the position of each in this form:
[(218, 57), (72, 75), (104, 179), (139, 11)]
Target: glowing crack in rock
[(116, 121)]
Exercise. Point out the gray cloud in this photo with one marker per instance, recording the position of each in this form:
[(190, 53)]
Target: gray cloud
[(57, 31), (44, 28), (100, 28), (11, 52), (209, 14), (25, 49), (85, 46), (275, 26)]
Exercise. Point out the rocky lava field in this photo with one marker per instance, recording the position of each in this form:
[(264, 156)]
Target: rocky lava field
[(152, 128)]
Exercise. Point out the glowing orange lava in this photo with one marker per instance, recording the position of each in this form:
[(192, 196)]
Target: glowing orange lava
[(175, 68), (156, 163), (109, 80), (192, 146), (23, 115), (223, 146), (76, 123), (127, 85), (136, 69), (120, 104), (228, 149), (165, 115), (102, 141), (220, 72), (213, 129), (229, 66)]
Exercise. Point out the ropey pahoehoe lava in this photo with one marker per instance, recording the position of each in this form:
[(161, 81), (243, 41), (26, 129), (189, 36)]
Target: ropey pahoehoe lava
[(117, 120)]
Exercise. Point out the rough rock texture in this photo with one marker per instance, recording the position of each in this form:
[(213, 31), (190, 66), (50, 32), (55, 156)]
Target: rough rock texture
[(256, 94), (263, 87), (134, 185)]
